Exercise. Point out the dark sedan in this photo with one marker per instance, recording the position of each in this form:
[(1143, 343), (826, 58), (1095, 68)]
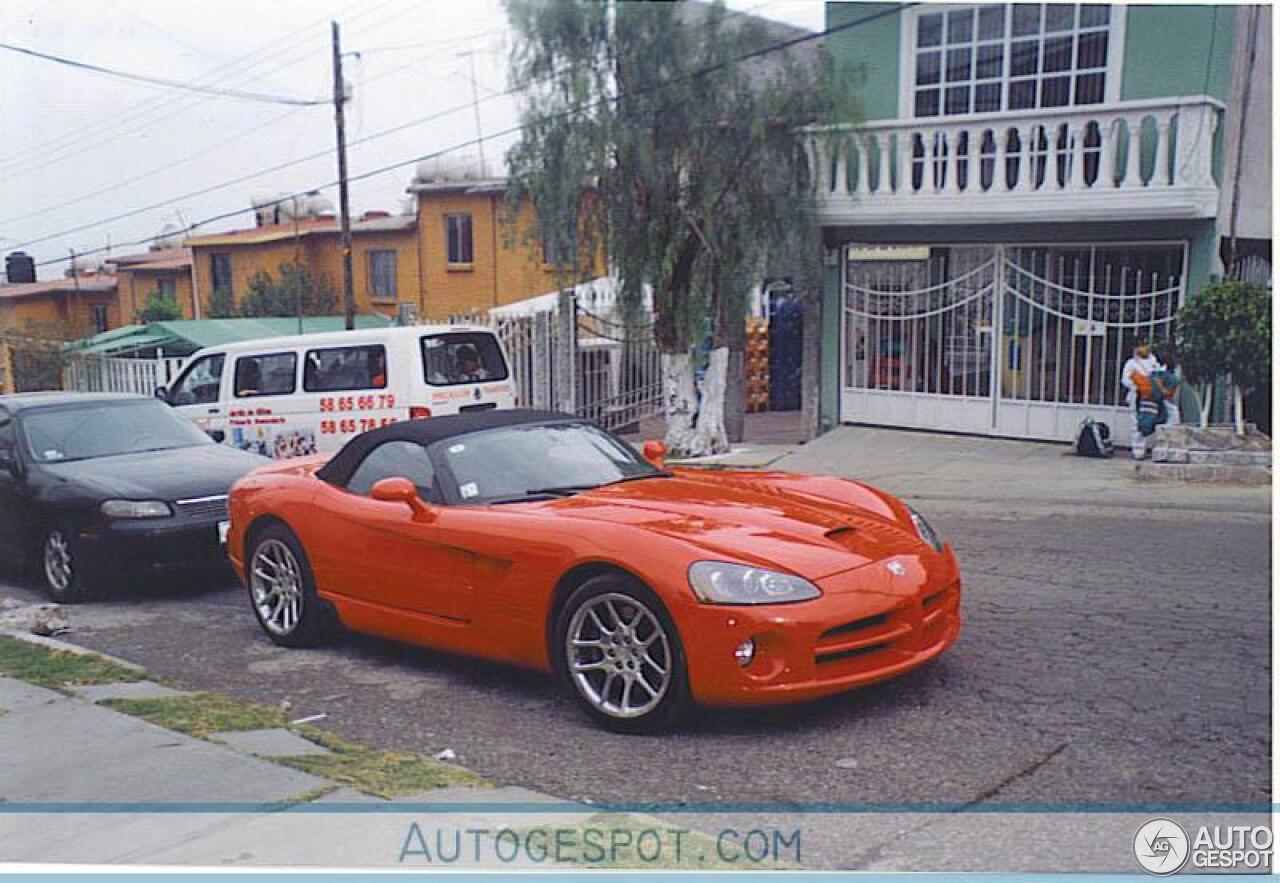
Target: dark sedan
[(93, 485)]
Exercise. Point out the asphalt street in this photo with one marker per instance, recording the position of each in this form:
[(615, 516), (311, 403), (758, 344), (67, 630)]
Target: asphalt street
[(1107, 658)]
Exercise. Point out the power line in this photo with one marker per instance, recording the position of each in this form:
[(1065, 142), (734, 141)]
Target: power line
[(9, 222), (162, 81), (381, 170), (70, 144)]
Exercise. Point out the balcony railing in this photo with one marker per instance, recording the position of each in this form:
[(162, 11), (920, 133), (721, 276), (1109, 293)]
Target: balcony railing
[(1128, 160)]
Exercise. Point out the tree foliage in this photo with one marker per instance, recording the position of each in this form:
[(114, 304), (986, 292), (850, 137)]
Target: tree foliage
[(295, 290), (222, 304), (159, 307), (1226, 329), (646, 138)]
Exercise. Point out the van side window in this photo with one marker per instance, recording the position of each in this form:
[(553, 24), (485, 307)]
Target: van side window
[(394, 459), (462, 357), (199, 384), (269, 375), (346, 367)]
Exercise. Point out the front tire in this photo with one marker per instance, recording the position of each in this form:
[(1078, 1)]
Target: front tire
[(61, 566), (619, 655), (282, 591)]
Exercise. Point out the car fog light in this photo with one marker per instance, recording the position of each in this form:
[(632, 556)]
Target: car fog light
[(745, 652)]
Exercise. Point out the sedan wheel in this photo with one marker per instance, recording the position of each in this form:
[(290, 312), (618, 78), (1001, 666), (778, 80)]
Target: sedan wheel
[(63, 580), (621, 655), (282, 592)]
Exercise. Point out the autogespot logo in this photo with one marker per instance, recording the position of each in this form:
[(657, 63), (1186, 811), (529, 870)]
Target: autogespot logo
[(1161, 846)]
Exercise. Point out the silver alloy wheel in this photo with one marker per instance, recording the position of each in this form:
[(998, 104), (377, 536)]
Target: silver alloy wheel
[(619, 655), (57, 561), (276, 583)]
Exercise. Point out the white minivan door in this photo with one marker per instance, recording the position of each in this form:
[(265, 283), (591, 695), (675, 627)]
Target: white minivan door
[(196, 395)]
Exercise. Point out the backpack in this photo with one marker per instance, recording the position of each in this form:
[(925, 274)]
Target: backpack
[(1094, 439)]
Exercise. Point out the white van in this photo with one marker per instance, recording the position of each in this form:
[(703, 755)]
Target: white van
[(310, 393)]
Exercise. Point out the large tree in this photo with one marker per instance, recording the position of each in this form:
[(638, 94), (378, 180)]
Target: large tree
[(664, 136)]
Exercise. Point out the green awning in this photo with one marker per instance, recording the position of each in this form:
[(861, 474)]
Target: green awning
[(182, 337)]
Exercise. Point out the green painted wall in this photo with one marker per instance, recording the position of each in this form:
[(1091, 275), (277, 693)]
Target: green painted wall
[(869, 55), (1177, 50)]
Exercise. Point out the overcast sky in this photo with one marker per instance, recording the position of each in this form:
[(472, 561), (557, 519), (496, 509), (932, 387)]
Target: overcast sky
[(79, 147)]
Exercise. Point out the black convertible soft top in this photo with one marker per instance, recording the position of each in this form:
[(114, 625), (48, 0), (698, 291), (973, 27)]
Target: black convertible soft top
[(427, 430)]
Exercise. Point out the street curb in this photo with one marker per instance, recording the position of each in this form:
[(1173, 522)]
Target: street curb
[(55, 644)]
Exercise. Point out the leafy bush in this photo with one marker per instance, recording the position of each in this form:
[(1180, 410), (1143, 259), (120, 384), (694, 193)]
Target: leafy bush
[(1226, 329), (298, 289), (159, 308)]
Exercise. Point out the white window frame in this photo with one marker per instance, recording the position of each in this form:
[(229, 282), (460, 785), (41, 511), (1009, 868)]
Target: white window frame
[(907, 64)]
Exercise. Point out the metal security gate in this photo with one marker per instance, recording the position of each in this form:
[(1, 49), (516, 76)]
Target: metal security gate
[(1021, 341)]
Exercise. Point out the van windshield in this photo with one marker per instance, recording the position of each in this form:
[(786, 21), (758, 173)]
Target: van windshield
[(459, 357)]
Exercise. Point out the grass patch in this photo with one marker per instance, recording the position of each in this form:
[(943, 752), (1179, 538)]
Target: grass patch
[(383, 774), (59, 669), (201, 714), (309, 796)]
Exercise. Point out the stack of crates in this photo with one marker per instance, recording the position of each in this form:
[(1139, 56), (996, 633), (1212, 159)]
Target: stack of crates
[(757, 365)]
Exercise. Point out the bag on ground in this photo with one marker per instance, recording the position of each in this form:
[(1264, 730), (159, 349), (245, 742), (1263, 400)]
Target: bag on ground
[(1093, 439)]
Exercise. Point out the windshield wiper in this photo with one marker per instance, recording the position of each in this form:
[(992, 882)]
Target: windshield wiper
[(564, 490), (642, 475)]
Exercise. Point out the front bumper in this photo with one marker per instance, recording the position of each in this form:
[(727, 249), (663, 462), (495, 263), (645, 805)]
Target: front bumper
[(178, 542), (869, 625)]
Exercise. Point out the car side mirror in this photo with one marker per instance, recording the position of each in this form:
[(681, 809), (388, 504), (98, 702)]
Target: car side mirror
[(656, 453), (402, 490), (162, 394)]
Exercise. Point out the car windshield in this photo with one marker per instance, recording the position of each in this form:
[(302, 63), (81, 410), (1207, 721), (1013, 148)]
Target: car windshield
[(540, 460), (106, 429)]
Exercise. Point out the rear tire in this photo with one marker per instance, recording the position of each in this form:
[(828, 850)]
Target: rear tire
[(60, 565), (282, 591), (618, 654)]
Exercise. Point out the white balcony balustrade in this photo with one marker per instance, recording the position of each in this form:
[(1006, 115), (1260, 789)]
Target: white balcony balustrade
[(1131, 160)]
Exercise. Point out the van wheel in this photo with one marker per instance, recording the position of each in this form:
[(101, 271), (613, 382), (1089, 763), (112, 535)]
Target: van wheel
[(282, 591)]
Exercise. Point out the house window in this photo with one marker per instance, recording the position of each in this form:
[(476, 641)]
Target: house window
[(220, 266), (979, 59), (101, 321), (382, 275), (167, 288), (457, 234)]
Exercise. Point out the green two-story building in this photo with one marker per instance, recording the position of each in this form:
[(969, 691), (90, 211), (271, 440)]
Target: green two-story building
[(1029, 189)]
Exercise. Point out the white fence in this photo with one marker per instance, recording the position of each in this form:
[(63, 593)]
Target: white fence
[(101, 374)]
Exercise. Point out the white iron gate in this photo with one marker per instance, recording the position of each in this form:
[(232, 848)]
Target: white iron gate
[(100, 374), (1021, 341)]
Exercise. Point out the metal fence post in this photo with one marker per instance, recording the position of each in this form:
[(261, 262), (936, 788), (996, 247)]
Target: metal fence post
[(565, 349)]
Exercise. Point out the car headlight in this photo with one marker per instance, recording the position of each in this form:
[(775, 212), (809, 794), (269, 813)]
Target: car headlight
[(718, 582), (926, 531), (136, 509)]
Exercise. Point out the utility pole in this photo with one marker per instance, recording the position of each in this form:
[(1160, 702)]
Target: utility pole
[(344, 207), (470, 55)]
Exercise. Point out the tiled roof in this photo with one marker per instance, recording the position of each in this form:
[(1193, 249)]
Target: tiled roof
[(87, 285), (323, 227), (164, 259)]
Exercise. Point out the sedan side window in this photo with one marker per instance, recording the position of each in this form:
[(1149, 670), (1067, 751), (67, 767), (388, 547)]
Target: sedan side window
[(199, 384), (394, 459)]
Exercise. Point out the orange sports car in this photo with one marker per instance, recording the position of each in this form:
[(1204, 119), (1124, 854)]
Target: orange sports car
[(540, 540)]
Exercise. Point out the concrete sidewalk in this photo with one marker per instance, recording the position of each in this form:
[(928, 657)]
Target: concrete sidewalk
[(964, 471)]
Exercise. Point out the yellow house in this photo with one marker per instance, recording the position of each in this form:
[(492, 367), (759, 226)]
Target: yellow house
[(384, 259), (474, 255), (167, 271), (61, 309)]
